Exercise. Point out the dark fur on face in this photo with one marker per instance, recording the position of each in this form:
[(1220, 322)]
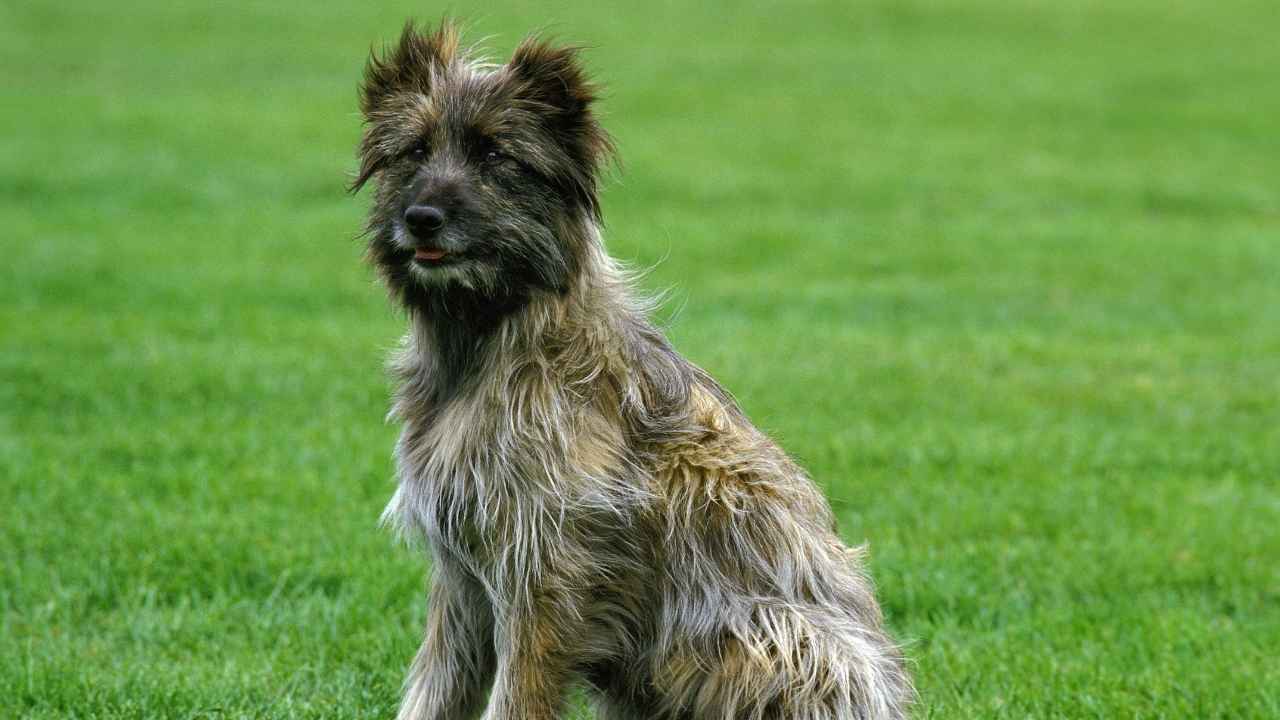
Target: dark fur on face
[(599, 509), (509, 156)]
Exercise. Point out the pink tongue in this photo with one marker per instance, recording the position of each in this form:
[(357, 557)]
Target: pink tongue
[(428, 254)]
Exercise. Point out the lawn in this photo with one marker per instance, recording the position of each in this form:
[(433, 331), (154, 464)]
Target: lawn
[(1004, 275)]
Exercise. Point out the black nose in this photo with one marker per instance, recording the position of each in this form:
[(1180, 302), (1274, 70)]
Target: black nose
[(424, 220)]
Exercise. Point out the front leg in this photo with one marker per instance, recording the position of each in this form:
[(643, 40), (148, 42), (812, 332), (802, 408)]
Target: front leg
[(456, 662), (536, 646)]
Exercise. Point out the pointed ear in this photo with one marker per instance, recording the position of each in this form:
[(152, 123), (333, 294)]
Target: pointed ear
[(552, 75), (551, 80), (408, 65)]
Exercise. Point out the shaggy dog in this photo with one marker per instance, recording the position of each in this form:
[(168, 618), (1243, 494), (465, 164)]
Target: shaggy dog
[(599, 509)]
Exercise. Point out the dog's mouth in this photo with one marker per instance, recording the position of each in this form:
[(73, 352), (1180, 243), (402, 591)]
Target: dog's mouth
[(430, 256)]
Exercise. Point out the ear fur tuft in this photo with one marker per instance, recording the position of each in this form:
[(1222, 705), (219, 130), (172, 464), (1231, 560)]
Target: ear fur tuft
[(551, 78), (408, 64)]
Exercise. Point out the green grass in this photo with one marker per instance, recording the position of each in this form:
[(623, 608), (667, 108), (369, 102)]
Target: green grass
[(1004, 275)]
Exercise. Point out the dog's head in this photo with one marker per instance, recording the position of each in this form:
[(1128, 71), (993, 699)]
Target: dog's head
[(485, 175)]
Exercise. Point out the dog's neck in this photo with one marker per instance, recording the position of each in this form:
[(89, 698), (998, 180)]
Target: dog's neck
[(452, 334), (458, 338)]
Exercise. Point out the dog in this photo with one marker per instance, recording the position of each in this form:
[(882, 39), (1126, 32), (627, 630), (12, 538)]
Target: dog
[(599, 511)]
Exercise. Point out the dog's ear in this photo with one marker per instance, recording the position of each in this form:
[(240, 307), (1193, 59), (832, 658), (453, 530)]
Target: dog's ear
[(412, 64), (408, 65), (551, 79)]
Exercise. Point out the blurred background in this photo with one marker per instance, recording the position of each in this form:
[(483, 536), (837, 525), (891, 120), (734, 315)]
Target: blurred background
[(1003, 274)]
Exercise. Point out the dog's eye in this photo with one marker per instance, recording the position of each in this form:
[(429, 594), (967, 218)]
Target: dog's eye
[(419, 151), (494, 157)]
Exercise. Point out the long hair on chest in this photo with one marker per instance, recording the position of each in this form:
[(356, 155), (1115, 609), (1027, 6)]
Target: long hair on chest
[(517, 423)]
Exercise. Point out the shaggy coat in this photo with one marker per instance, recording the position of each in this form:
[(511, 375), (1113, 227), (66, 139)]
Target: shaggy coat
[(599, 509)]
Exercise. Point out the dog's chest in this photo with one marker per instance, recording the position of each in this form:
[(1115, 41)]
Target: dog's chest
[(460, 475), (497, 484), (446, 489)]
